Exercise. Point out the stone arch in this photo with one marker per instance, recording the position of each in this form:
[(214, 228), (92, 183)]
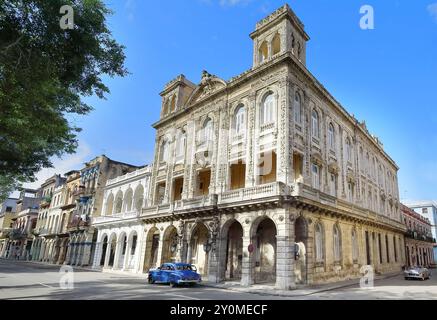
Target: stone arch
[(118, 202), (109, 204), (337, 243), (263, 52), (127, 200), (122, 245), (104, 241), (173, 103), (169, 246), (196, 251), (139, 198), (319, 242), (301, 256), (231, 250), (263, 235), (152, 247), (276, 44), (112, 246)]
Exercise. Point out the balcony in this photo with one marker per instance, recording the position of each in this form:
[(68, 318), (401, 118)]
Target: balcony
[(45, 202), (79, 192), (254, 193), (78, 223), (116, 217)]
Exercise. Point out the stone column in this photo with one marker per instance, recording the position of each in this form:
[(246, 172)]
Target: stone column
[(97, 255), (285, 278), (86, 252), (160, 247), (247, 270)]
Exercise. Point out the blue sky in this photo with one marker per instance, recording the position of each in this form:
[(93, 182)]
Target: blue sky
[(386, 76)]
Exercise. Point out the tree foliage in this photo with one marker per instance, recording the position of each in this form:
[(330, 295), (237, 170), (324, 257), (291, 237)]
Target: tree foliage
[(45, 72)]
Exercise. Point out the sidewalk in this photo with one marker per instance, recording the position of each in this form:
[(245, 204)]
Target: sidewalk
[(300, 291)]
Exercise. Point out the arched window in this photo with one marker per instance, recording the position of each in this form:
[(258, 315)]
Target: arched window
[(138, 198), (181, 145), (276, 44), (207, 131), (127, 201), (354, 246), (331, 137), (268, 109), (315, 124), (166, 107), (173, 103), (109, 204), (319, 242), (163, 157), (348, 150), (297, 108), (118, 202), (337, 244), (263, 52), (239, 121)]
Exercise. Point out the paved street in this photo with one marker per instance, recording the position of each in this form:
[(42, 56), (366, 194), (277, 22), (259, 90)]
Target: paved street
[(21, 280)]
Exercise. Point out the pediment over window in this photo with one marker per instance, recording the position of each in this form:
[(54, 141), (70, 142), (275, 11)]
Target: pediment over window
[(350, 177), (333, 167), (208, 86), (317, 159)]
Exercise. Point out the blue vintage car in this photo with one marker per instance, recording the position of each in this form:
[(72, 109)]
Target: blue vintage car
[(175, 274)]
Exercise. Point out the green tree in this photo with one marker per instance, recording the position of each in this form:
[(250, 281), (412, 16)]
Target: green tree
[(45, 71)]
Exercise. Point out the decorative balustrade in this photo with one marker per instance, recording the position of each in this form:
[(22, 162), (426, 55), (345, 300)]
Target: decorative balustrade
[(116, 217), (128, 176), (262, 191)]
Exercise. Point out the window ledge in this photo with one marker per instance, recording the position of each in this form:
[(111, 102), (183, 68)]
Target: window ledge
[(267, 126)]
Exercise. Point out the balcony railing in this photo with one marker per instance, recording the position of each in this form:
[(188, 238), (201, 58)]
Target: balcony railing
[(252, 193), (116, 217)]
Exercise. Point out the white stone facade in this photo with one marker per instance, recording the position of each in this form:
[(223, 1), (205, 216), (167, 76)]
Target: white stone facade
[(121, 237)]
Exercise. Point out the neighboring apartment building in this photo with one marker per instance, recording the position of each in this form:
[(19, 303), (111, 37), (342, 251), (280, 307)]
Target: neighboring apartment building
[(19, 240), (121, 237), (89, 199), (44, 232), (266, 178), (419, 241), (428, 209), (7, 213)]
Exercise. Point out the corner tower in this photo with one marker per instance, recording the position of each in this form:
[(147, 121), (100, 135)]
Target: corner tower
[(279, 33)]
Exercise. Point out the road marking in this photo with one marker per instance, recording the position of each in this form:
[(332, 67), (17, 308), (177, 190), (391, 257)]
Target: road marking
[(46, 285)]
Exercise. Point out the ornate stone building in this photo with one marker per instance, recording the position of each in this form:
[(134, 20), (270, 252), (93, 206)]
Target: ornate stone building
[(18, 241), (121, 237), (88, 204), (267, 178), (419, 241)]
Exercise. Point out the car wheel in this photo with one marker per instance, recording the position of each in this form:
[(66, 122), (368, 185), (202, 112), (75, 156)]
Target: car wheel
[(173, 284), (406, 278), (151, 281), (192, 284)]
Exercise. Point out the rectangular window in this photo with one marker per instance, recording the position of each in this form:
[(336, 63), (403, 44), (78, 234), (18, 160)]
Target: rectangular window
[(425, 210), (298, 167), (8, 209), (316, 176)]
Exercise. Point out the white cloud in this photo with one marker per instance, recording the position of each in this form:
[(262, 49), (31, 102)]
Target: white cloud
[(432, 9), (62, 166)]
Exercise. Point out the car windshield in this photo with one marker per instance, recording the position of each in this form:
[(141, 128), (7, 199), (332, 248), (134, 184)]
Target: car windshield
[(184, 267)]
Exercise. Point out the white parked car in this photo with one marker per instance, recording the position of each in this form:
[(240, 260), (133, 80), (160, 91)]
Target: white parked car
[(417, 273)]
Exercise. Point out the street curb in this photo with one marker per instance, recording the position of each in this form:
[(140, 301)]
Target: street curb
[(294, 293)]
